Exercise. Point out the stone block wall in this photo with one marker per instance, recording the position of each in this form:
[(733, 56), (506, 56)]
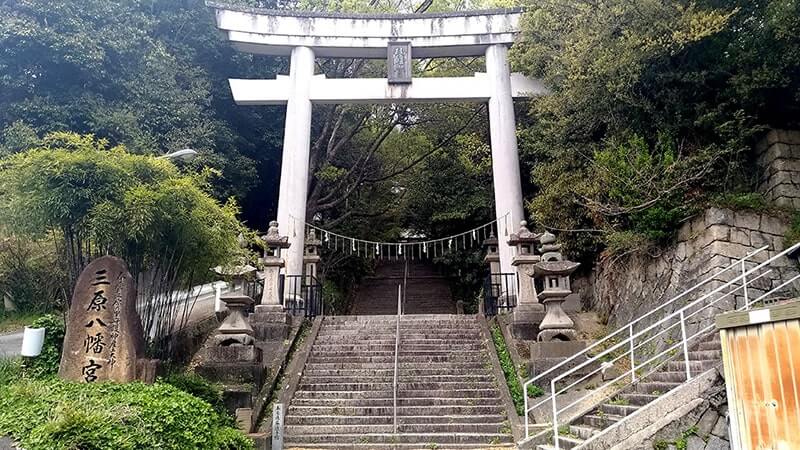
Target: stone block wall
[(778, 155), (630, 286), (705, 427)]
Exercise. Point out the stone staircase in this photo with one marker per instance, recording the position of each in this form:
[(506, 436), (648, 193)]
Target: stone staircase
[(427, 292), (703, 356), (447, 394)]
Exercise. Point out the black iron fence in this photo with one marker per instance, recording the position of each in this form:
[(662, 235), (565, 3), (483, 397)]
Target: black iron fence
[(302, 295), (254, 289), (499, 293)]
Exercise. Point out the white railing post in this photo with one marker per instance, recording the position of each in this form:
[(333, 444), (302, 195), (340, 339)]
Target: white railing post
[(744, 287), (685, 347), (555, 413), (633, 363), (525, 399)]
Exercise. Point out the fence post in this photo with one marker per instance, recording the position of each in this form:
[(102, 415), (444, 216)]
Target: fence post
[(633, 363), (685, 347), (744, 287), (555, 413)]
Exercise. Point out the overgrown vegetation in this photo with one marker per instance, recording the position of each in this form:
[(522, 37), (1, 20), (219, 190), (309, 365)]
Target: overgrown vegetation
[(681, 443), (54, 414), (654, 111), (510, 372), (90, 199), (47, 363), (194, 384)]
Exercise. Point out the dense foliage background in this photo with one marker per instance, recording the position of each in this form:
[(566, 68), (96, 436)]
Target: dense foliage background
[(654, 109)]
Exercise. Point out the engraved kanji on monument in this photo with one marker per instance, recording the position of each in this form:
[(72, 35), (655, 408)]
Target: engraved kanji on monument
[(104, 339)]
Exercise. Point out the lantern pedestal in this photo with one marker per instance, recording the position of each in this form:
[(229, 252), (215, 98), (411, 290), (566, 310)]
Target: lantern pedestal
[(529, 312)]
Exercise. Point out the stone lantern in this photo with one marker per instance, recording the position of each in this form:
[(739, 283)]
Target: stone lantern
[(311, 257), (553, 272), (528, 311), (273, 262), (235, 330), (270, 319), (492, 254)]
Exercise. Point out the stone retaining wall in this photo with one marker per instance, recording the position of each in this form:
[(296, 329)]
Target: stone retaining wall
[(630, 286), (778, 154)]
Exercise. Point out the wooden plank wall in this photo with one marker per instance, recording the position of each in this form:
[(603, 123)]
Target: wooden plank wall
[(762, 370)]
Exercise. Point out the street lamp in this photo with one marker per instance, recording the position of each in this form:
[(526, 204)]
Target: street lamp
[(186, 154)]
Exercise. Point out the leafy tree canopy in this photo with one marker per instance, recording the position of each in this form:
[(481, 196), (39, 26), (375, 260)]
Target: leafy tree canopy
[(96, 199), (654, 108)]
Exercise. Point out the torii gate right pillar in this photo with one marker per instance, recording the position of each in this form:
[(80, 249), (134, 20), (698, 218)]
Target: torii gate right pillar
[(505, 155)]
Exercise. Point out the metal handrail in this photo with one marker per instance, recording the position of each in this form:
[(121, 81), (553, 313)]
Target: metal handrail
[(397, 349), (629, 342), (646, 315), (405, 288)]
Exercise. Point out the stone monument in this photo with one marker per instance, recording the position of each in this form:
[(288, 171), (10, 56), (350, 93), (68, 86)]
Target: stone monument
[(104, 339), (529, 312)]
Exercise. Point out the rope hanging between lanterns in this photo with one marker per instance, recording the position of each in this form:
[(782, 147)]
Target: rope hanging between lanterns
[(409, 250)]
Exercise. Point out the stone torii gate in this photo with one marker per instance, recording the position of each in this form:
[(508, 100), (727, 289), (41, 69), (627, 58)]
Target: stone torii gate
[(303, 36)]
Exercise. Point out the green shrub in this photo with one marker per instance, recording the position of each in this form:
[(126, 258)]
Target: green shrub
[(793, 233), (10, 370), (48, 361), (535, 391), (53, 414), (199, 387), (510, 373), (743, 200)]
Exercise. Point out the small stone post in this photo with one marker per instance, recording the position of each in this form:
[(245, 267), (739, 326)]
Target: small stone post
[(311, 257), (528, 312), (492, 255), (554, 272), (273, 262)]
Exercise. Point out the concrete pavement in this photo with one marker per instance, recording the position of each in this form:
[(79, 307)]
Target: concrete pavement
[(10, 344)]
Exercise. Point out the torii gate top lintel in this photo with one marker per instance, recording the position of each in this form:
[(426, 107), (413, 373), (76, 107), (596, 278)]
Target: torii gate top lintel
[(340, 35)]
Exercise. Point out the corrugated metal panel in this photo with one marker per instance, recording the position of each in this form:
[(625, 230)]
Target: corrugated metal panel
[(762, 371)]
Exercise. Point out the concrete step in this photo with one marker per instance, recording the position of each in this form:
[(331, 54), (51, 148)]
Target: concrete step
[(380, 372), (568, 442), (493, 402), (701, 355), (709, 345), (584, 432), (410, 446), (461, 393), (655, 388), (600, 421), (389, 420), (402, 365), (696, 367), (307, 411), (639, 399), (491, 427), (403, 379), (618, 410), (485, 439), (671, 377)]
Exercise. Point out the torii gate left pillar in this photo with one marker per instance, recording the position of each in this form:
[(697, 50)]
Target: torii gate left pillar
[(305, 35), (296, 152)]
